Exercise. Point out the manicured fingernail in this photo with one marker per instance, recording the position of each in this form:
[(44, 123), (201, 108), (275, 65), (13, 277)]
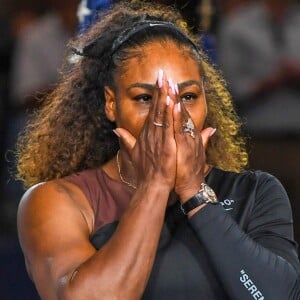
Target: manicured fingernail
[(116, 133), (176, 89), (171, 85), (168, 100), (160, 78), (179, 106), (213, 132)]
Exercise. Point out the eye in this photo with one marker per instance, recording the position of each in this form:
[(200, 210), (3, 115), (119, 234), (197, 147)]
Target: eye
[(189, 97), (143, 98)]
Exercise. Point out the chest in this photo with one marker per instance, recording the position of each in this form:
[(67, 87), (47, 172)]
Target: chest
[(181, 268)]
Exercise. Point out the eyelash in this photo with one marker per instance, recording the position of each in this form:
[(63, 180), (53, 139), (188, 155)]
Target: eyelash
[(191, 97), (145, 98), (141, 98)]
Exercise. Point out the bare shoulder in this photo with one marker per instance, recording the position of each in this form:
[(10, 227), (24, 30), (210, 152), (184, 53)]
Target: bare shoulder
[(54, 226), (43, 199), (46, 193), (46, 190)]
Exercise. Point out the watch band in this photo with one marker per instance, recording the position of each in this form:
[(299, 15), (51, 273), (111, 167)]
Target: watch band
[(205, 195), (192, 203)]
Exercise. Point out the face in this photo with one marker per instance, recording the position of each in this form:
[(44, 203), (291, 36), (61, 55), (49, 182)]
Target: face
[(129, 107)]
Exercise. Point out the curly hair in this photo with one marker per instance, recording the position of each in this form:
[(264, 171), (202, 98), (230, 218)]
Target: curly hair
[(71, 132)]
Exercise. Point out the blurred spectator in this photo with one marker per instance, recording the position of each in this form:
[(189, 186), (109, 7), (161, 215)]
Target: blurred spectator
[(40, 50), (37, 56), (259, 53), (13, 20), (31, 51), (17, 17)]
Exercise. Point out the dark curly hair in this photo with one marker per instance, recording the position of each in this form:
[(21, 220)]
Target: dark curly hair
[(71, 131)]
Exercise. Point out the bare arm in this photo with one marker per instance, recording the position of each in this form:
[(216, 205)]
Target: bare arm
[(56, 245)]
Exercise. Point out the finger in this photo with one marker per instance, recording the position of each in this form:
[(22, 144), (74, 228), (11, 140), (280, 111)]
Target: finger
[(206, 134), (155, 97), (171, 88), (177, 119), (173, 91), (160, 100), (184, 127), (127, 139), (168, 119), (185, 113)]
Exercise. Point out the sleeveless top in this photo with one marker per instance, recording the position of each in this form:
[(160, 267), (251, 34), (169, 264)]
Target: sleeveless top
[(108, 197), (197, 258), (176, 270)]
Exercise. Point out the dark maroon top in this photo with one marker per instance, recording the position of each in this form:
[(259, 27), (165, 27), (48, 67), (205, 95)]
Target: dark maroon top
[(109, 198)]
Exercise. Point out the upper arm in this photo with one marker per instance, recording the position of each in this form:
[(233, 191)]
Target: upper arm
[(54, 236), (271, 224)]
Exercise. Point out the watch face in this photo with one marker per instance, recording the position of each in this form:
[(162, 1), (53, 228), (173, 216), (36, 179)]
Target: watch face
[(209, 193)]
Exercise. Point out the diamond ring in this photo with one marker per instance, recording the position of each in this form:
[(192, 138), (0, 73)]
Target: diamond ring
[(189, 128)]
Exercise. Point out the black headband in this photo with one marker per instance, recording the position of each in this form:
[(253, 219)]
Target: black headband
[(144, 24), (137, 27)]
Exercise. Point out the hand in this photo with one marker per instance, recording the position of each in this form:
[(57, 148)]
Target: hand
[(154, 152), (190, 158)]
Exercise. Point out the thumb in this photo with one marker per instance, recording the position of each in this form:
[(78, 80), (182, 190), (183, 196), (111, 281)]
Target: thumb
[(206, 134), (126, 138)]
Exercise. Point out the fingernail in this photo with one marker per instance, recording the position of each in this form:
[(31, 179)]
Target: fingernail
[(168, 100), (116, 133), (171, 85), (213, 132), (179, 106), (173, 89), (160, 78), (176, 89)]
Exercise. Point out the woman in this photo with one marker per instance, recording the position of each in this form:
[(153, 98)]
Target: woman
[(140, 220)]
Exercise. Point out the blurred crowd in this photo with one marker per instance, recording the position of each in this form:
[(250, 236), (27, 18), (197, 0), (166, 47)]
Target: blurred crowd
[(254, 43)]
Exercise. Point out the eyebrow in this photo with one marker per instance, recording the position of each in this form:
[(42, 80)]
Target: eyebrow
[(185, 84), (146, 86), (151, 87)]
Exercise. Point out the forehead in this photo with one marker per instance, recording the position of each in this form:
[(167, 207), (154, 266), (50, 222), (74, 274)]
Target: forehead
[(178, 62)]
